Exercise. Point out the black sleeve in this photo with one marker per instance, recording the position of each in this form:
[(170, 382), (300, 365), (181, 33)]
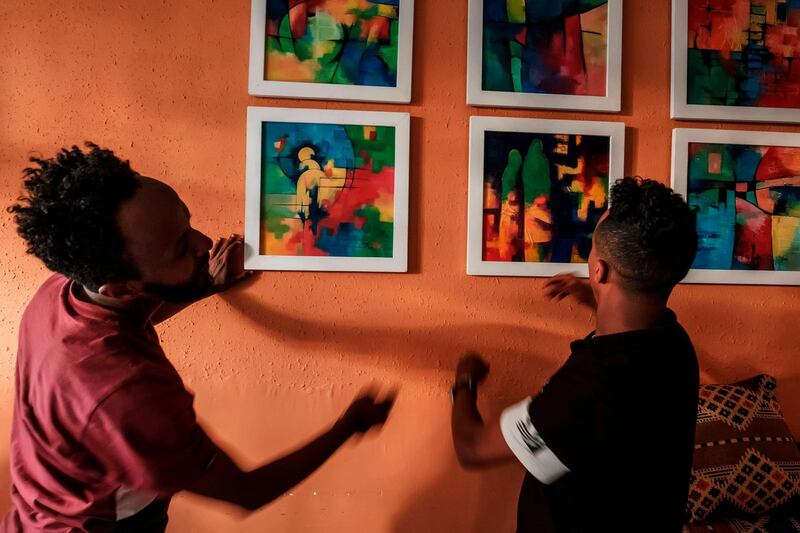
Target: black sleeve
[(571, 414)]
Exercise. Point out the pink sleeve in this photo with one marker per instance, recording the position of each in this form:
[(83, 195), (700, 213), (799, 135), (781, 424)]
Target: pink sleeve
[(147, 437)]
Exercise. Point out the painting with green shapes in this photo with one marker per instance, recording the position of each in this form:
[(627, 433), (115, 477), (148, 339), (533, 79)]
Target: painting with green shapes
[(546, 46), (342, 42), (543, 195)]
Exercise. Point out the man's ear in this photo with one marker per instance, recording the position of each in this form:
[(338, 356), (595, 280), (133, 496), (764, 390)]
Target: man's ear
[(600, 271), (123, 290)]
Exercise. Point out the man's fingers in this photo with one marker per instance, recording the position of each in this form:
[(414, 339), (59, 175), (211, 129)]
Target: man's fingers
[(555, 283), (225, 246), (224, 242), (224, 254), (215, 248), (558, 278), (554, 293)]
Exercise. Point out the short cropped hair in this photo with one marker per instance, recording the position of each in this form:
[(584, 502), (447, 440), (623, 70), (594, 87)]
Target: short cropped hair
[(649, 236)]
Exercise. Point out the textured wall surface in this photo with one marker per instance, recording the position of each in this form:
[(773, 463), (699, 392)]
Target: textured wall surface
[(164, 83)]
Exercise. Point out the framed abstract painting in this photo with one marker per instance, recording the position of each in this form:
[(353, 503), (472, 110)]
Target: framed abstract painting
[(549, 54), (735, 60), (326, 190), (332, 49), (744, 187), (537, 189)]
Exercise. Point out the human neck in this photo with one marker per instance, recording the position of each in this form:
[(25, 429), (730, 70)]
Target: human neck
[(619, 312), (144, 306)]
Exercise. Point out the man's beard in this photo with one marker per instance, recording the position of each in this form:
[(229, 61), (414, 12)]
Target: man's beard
[(194, 289)]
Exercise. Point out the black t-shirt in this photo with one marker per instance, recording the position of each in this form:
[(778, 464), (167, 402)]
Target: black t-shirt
[(612, 433)]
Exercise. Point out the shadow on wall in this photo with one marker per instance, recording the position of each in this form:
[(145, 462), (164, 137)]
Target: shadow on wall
[(434, 346)]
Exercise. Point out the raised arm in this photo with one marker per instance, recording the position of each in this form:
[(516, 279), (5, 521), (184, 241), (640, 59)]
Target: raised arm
[(567, 285), (252, 490), (476, 443)]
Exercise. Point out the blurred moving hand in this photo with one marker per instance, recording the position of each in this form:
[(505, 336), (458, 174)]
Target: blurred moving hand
[(567, 285)]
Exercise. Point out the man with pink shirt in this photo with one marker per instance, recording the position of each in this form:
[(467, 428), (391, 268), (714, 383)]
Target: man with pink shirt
[(104, 431)]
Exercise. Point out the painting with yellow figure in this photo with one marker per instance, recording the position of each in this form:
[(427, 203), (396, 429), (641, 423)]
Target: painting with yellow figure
[(343, 42), (327, 190), (543, 195)]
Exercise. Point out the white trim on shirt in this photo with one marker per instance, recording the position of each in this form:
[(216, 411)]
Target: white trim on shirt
[(528, 445), (130, 502)]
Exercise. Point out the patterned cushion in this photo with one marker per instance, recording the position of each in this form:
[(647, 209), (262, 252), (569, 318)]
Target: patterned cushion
[(745, 455), (763, 524)]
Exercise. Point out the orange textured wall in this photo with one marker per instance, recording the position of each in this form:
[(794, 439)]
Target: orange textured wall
[(165, 85)]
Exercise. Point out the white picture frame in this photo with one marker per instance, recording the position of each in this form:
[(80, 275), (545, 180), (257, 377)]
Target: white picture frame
[(681, 139), (254, 260), (259, 86), (476, 265), (610, 103), (679, 106)]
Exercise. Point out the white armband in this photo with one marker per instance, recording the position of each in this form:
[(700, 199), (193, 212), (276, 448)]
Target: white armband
[(528, 445)]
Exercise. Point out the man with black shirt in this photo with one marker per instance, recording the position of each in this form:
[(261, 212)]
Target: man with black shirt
[(608, 442)]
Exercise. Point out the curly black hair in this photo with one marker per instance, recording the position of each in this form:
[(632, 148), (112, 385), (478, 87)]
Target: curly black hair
[(68, 214), (649, 236)]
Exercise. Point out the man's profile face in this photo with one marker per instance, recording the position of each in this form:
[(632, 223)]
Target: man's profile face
[(171, 256)]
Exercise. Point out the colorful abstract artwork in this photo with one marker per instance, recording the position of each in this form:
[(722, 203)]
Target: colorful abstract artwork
[(349, 42), (561, 54), (541, 192), (745, 190), (736, 60), (545, 46), (544, 195), (327, 190), (747, 200), (742, 53), (336, 49)]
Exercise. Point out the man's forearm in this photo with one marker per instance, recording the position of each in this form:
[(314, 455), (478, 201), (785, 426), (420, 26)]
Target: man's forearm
[(274, 479), (252, 490), (466, 422)]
